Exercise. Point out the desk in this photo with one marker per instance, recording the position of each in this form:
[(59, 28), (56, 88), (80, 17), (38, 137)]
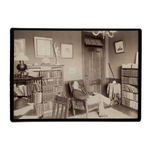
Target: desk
[(17, 80)]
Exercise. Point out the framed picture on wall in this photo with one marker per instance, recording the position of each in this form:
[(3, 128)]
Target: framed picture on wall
[(43, 47), (66, 50), (119, 48), (19, 46)]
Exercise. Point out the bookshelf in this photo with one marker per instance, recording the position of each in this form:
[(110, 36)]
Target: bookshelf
[(129, 82), (29, 87), (26, 87), (52, 83)]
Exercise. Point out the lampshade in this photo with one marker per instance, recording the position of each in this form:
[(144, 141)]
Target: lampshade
[(21, 57)]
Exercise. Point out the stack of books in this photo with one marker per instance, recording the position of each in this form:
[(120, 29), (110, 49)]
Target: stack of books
[(126, 65), (58, 81), (130, 65)]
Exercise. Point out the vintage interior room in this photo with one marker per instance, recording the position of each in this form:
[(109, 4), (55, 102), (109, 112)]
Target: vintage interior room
[(75, 74)]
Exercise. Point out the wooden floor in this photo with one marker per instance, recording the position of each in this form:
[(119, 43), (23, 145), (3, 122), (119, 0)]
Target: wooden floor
[(128, 111), (47, 114)]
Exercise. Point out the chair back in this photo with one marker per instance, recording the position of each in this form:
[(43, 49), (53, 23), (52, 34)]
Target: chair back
[(76, 103), (60, 107)]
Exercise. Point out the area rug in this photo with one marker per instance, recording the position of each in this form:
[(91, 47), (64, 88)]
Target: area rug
[(111, 112)]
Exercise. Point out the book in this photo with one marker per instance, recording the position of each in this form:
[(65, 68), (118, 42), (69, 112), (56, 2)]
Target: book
[(18, 92), (38, 98), (126, 65), (21, 88), (25, 90), (37, 87)]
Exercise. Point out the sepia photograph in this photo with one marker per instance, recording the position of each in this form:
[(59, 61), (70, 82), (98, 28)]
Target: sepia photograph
[(75, 75)]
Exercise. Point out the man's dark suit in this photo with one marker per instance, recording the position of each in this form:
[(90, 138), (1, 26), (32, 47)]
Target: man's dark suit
[(80, 94)]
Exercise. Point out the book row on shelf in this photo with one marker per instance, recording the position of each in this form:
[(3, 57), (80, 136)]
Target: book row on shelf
[(130, 80), (48, 97), (47, 89), (129, 103), (131, 73), (25, 90), (53, 74), (130, 96), (129, 88), (57, 89), (52, 89), (57, 81)]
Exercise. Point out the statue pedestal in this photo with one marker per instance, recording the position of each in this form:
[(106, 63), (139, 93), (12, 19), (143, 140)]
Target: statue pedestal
[(57, 63)]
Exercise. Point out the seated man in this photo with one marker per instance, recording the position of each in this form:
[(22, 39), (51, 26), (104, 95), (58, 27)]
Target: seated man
[(98, 98)]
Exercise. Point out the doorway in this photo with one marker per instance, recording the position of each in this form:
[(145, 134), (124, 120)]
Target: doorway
[(93, 67)]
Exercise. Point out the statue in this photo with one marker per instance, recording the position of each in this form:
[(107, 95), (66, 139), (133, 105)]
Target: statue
[(57, 53)]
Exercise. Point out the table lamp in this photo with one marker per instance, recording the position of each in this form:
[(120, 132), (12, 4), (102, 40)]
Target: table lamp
[(21, 66)]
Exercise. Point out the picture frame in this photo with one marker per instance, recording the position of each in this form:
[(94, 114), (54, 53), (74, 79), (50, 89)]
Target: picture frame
[(66, 50), (119, 47), (43, 47), (19, 46)]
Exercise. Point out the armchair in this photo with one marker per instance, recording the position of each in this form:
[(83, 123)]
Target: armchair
[(78, 104)]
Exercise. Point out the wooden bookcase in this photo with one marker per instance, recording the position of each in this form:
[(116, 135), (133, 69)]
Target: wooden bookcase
[(129, 83), (27, 87), (52, 83)]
